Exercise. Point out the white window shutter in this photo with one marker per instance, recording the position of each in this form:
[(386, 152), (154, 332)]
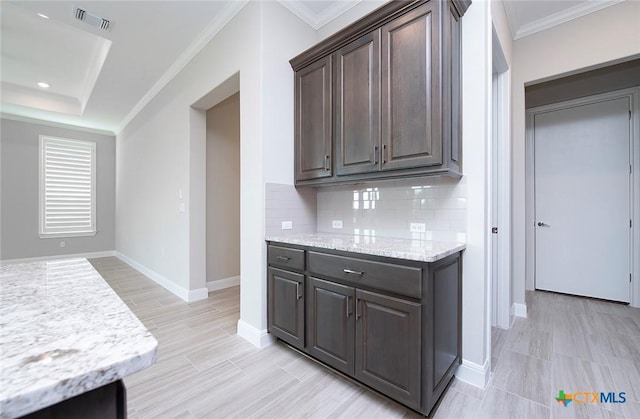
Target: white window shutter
[(67, 187)]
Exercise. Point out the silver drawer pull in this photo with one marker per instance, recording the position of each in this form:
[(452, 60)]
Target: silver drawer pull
[(349, 271), (286, 259)]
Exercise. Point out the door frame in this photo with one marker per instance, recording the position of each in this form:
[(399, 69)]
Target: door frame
[(499, 191), (633, 94)]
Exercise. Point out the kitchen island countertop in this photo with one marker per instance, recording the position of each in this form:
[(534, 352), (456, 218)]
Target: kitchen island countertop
[(419, 250), (63, 332)]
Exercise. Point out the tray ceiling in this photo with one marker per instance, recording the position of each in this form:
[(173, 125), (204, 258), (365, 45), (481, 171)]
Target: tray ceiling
[(100, 79)]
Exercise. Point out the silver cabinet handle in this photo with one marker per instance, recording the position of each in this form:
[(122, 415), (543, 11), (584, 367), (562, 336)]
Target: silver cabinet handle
[(348, 306), (384, 153), (349, 271), (375, 154), (326, 163), (298, 295), (284, 258), (357, 308), (541, 224)]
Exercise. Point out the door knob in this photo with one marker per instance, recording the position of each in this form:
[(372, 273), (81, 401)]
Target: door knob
[(541, 224)]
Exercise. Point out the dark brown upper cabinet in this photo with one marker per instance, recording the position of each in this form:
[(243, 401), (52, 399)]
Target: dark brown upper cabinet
[(357, 106), (410, 126), (313, 121), (381, 98)]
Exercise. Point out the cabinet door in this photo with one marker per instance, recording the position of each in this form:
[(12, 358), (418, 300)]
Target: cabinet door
[(286, 306), (357, 104), (313, 120), (411, 126), (330, 323), (388, 346)]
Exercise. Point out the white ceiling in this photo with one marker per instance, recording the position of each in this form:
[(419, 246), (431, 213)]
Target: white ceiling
[(101, 79), (29, 38), (98, 78)]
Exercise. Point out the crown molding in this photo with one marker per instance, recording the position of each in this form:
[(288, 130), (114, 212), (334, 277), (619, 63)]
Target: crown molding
[(556, 19), (317, 21), (508, 10), (210, 31), (20, 118)]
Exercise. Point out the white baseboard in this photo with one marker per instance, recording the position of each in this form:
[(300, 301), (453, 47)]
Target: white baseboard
[(183, 293), (223, 283), (474, 374), (519, 310), (91, 255), (257, 337), (197, 295)]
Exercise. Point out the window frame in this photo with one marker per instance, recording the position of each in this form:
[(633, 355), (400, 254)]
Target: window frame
[(42, 231)]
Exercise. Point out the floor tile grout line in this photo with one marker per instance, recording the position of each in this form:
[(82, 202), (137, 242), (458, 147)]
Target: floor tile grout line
[(520, 397)]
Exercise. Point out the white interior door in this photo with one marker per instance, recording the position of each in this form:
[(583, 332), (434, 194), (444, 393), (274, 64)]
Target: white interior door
[(582, 200)]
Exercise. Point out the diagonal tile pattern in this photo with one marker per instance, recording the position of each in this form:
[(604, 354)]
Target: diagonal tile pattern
[(205, 370)]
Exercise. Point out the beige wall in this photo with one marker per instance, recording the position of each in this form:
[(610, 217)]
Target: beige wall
[(609, 35), (223, 189)]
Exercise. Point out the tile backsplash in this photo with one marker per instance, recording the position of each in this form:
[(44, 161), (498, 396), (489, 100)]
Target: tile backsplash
[(384, 209), (286, 203), (387, 209)]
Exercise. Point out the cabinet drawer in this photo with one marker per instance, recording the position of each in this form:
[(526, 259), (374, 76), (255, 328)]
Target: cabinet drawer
[(399, 279), (286, 257)]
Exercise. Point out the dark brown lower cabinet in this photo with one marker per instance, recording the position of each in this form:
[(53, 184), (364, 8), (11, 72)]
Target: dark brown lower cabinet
[(388, 345), (286, 306), (391, 324), (373, 337), (330, 322)]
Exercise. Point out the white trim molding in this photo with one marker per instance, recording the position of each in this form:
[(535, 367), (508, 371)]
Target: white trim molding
[(20, 118), (563, 16), (519, 310), (318, 20), (185, 294), (475, 374), (258, 338), (500, 188), (221, 284), (91, 255), (635, 231)]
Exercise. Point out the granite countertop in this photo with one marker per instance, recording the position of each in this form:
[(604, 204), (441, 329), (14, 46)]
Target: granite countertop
[(420, 250), (63, 332)]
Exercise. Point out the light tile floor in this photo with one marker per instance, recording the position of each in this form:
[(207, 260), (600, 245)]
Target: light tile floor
[(204, 370)]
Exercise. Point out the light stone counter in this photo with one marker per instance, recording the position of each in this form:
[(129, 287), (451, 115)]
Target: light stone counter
[(420, 250), (63, 332)]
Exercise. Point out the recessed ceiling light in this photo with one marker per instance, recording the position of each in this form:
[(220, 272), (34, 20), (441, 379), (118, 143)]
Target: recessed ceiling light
[(43, 16), (43, 84)]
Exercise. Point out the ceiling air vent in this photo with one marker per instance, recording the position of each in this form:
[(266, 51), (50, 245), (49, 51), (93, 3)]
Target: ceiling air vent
[(91, 19)]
